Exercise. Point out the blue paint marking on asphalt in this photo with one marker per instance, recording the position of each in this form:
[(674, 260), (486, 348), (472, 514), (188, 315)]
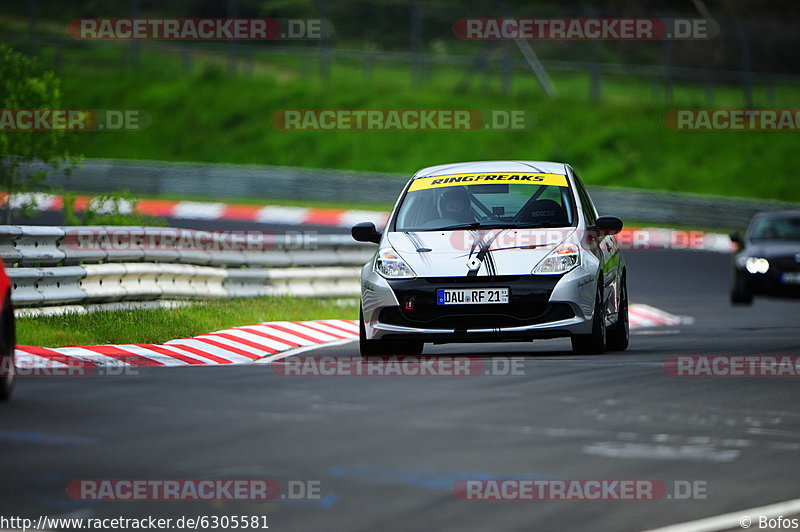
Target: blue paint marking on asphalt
[(46, 479), (432, 479), (327, 501), (40, 438), (53, 478), (64, 505)]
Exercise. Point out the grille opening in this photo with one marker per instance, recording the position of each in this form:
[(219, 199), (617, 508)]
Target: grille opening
[(477, 316)]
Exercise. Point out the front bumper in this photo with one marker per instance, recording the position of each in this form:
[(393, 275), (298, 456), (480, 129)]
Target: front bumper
[(539, 307), (771, 283)]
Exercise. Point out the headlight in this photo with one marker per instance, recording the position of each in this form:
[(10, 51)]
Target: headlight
[(390, 265), (756, 265), (561, 260)]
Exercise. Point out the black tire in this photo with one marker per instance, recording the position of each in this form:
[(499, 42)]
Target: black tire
[(594, 343), (376, 348), (618, 335), (740, 294), (369, 348), (7, 346), (409, 348)]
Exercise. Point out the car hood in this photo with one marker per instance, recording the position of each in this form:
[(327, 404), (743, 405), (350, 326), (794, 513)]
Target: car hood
[(492, 252), (773, 249)]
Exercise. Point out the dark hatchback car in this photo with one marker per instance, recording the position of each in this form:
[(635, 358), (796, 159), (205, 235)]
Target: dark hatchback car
[(768, 260)]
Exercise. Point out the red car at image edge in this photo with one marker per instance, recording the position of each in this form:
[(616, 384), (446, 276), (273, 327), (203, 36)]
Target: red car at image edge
[(7, 337)]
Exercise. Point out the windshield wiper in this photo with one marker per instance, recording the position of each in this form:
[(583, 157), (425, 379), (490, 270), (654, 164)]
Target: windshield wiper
[(468, 225), (500, 225), (527, 225)]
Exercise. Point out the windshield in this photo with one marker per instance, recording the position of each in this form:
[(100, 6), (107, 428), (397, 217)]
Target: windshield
[(469, 201), (787, 228)]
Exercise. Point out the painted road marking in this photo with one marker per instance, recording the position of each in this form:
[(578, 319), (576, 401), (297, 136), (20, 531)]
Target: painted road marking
[(739, 520), (263, 343)]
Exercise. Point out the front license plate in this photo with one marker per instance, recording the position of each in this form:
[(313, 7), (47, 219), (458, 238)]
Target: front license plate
[(791, 277), (471, 296)]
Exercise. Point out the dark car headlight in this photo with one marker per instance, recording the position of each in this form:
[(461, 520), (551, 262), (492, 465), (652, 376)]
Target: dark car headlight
[(753, 265)]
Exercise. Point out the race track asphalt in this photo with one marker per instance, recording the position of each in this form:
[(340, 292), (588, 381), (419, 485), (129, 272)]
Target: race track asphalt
[(387, 450)]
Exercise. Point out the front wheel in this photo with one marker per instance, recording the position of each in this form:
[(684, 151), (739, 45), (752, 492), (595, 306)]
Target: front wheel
[(369, 348), (619, 333), (740, 293), (595, 342), (7, 346)]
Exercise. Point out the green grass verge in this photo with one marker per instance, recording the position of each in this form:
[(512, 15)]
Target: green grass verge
[(201, 114), (161, 325)]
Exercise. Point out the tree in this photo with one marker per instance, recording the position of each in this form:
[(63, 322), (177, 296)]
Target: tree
[(26, 157)]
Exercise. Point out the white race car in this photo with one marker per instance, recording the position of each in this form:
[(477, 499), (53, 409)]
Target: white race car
[(493, 251)]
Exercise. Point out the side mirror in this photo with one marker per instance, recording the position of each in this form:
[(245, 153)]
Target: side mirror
[(735, 237), (607, 225), (366, 232)]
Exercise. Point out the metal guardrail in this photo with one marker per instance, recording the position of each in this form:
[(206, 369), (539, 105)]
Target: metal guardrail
[(100, 266), (487, 63), (113, 282), (681, 209), (48, 246), (226, 181), (88, 265)]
